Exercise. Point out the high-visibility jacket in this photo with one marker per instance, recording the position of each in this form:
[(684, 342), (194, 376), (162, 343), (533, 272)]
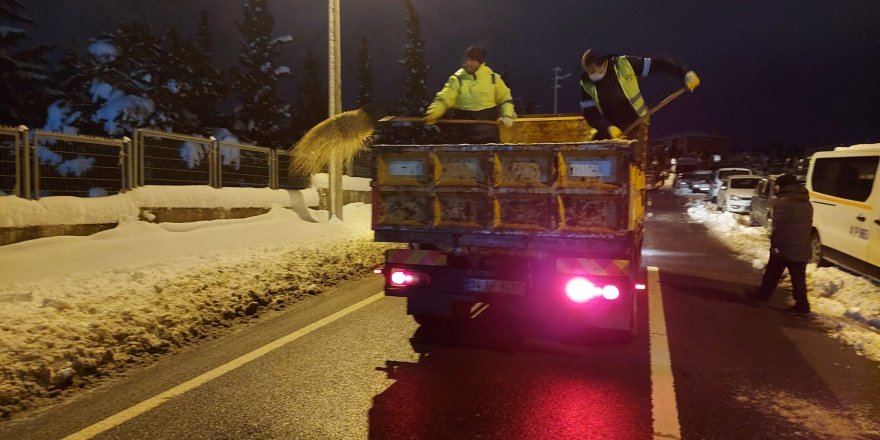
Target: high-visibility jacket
[(481, 90), (626, 77)]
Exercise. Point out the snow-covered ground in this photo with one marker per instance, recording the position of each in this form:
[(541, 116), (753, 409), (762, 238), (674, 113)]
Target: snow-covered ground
[(76, 308), (847, 305)]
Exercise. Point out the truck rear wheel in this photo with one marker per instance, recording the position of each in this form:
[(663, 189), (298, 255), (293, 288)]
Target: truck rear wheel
[(430, 320)]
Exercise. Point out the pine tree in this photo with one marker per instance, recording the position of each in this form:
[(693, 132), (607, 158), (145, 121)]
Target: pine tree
[(71, 88), (124, 79), (176, 86), (415, 70), (261, 112), (210, 89), (365, 74), (311, 107), (67, 77), (23, 74)]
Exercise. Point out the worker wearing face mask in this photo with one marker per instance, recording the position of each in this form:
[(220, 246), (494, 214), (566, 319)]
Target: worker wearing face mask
[(610, 95)]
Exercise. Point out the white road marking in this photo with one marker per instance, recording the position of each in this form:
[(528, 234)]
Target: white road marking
[(664, 405), (153, 402)]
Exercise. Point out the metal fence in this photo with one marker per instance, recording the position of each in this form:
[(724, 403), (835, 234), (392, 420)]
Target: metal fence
[(80, 166), (10, 161), (42, 163)]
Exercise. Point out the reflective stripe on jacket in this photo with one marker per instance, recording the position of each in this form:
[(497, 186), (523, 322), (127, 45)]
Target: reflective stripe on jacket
[(480, 91)]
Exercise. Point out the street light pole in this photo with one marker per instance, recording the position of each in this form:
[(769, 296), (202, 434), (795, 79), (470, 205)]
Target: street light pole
[(556, 86), (334, 107)]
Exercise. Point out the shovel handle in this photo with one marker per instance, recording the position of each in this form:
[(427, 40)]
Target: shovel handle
[(654, 109), (439, 121)]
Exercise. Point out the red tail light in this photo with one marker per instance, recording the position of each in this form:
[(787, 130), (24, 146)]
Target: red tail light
[(610, 292), (581, 290), (406, 278)]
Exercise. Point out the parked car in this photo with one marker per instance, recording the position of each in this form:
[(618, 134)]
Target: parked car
[(718, 180), (735, 194), (761, 208), (845, 191), (701, 180), (683, 180)]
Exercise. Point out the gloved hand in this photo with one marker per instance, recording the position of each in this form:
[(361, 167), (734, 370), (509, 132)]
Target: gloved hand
[(615, 132), (507, 121), (691, 80)]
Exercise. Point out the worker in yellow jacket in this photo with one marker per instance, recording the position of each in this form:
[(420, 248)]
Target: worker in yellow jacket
[(474, 92), (610, 95)]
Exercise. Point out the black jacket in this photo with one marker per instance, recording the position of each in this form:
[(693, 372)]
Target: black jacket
[(616, 108), (792, 224)]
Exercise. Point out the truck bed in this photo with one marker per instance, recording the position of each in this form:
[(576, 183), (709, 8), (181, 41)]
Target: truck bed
[(526, 196)]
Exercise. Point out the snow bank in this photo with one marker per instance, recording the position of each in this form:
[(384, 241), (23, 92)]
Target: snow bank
[(847, 305), (73, 308)]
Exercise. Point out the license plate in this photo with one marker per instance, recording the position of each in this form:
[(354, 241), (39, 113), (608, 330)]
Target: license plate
[(493, 286)]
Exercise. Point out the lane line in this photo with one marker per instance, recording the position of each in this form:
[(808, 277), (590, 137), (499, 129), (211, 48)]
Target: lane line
[(664, 407), (153, 402)]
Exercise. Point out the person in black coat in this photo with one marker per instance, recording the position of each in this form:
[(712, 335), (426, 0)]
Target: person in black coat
[(789, 244)]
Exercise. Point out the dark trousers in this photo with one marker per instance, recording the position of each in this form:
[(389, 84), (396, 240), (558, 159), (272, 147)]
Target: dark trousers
[(474, 133), (797, 271)]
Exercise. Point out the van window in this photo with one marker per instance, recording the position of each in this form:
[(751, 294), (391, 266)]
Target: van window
[(744, 183), (724, 173), (845, 177)]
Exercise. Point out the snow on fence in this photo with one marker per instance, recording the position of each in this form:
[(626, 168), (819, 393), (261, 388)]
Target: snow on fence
[(172, 159), (76, 165), (247, 166), (43, 163)]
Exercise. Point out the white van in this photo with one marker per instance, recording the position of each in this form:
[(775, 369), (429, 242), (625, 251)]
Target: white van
[(845, 193)]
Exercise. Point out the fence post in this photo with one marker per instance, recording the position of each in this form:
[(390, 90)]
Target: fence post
[(273, 169), (215, 179), (124, 164), (17, 186), (25, 162), (137, 166), (35, 172)]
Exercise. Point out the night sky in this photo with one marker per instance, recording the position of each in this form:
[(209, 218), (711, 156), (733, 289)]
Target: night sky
[(799, 72)]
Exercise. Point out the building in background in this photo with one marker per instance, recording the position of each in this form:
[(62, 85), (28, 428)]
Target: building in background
[(702, 146)]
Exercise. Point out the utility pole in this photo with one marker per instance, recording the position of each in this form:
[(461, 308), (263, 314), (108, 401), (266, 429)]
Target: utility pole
[(334, 184), (556, 86)]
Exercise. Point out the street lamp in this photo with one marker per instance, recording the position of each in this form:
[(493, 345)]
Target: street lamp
[(334, 184), (556, 86)]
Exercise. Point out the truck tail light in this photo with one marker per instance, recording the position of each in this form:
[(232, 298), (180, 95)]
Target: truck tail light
[(581, 290), (610, 292), (408, 278)]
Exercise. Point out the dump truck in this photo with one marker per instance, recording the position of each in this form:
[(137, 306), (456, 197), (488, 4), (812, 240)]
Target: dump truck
[(546, 222)]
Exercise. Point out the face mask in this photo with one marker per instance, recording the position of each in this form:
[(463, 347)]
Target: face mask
[(596, 77)]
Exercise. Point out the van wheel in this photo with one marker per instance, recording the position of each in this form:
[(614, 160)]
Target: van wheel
[(816, 249)]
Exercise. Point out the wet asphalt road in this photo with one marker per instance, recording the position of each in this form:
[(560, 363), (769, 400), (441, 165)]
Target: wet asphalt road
[(741, 370)]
